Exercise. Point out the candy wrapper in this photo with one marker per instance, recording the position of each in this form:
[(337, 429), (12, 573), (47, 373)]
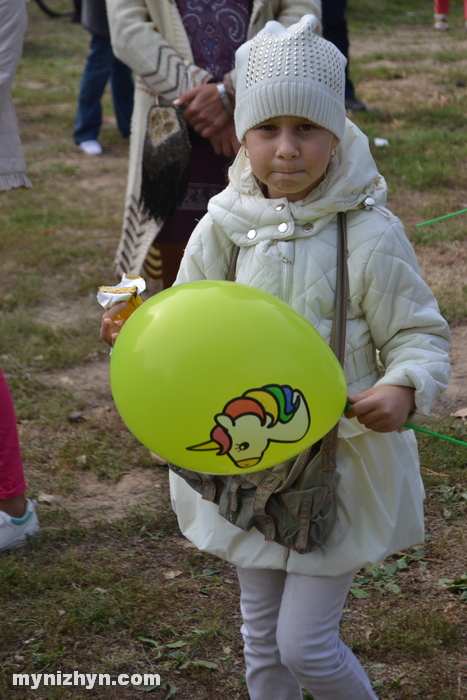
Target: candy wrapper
[(129, 290)]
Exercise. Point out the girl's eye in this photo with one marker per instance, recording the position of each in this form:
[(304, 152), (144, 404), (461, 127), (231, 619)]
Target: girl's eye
[(306, 127), (267, 127)]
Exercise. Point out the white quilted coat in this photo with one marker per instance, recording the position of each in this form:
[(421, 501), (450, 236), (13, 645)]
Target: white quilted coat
[(391, 310)]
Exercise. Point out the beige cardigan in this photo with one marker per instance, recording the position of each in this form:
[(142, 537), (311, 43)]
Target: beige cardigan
[(149, 36), (13, 25)]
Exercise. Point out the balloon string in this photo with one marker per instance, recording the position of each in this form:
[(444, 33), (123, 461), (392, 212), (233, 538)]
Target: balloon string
[(440, 218), (430, 432), (422, 430)]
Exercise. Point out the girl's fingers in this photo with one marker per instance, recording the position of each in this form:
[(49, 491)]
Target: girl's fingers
[(114, 310)]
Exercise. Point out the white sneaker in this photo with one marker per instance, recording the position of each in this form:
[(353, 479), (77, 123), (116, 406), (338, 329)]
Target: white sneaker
[(91, 148), (441, 23), (14, 531)]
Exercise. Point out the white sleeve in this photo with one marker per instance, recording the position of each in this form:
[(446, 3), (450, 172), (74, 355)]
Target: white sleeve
[(404, 319)]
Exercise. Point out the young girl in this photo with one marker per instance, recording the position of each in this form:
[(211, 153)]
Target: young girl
[(303, 163)]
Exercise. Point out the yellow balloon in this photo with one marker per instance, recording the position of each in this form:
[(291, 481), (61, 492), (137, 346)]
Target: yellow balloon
[(223, 378)]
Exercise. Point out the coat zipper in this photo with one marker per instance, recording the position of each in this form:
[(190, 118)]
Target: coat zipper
[(286, 275)]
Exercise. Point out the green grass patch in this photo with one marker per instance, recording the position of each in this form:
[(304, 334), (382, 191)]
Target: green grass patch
[(35, 344)]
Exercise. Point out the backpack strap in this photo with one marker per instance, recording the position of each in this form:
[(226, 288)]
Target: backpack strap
[(339, 323), (233, 264)]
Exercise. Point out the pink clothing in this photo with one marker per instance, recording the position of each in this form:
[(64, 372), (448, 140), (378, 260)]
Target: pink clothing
[(442, 7), (12, 481)]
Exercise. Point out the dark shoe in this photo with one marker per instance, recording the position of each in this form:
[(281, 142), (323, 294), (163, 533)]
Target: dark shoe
[(355, 105)]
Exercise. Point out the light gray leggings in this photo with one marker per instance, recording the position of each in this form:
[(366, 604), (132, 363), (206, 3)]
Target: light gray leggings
[(291, 633)]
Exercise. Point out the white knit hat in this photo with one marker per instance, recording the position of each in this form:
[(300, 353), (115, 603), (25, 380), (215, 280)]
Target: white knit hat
[(290, 72)]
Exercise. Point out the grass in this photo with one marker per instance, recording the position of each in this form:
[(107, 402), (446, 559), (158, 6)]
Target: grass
[(105, 594)]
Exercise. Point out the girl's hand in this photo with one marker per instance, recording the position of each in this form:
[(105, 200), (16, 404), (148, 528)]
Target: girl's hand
[(383, 408), (110, 327)]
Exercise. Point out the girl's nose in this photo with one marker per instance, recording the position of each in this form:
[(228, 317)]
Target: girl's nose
[(287, 147)]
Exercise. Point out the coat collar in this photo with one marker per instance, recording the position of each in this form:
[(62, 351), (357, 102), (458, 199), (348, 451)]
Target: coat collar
[(352, 177)]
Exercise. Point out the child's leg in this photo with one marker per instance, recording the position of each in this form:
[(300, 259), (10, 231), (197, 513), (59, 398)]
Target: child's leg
[(309, 643), (266, 676), (441, 7), (12, 483)]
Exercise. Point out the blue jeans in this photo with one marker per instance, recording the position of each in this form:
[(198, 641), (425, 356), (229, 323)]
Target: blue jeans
[(102, 66)]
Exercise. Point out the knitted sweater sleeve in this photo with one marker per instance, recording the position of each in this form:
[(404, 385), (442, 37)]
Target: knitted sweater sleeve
[(137, 39)]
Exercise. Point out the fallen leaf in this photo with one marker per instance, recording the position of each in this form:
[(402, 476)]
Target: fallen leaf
[(172, 574), (449, 613), (461, 413), (46, 498)]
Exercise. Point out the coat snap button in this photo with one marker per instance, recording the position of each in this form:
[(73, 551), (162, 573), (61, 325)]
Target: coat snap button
[(282, 228), (308, 227), (251, 234), (280, 207), (369, 203)]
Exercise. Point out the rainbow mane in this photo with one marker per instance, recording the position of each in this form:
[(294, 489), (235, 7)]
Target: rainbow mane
[(223, 439), (271, 401), (276, 401)]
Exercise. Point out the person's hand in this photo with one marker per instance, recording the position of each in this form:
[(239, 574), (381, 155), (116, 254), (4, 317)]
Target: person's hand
[(382, 408), (110, 325), (204, 110), (225, 142)]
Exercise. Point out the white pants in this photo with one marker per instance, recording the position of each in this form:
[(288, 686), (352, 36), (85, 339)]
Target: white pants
[(291, 633)]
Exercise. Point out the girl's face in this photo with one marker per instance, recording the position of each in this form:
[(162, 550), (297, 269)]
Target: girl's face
[(289, 155)]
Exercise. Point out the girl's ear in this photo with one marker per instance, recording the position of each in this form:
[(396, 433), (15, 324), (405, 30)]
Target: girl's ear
[(335, 142)]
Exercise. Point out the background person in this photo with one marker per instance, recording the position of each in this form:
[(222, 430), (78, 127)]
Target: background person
[(177, 47), (13, 24), (101, 67), (441, 15), (18, 518), (335, 30)]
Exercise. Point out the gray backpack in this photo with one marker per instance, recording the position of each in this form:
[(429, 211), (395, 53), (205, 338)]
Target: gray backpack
[(293, 503)]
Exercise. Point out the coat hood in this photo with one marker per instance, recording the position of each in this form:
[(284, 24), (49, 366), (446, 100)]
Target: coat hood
[(352, 177)]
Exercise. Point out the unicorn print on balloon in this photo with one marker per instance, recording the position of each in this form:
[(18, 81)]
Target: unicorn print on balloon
[(250, 422)]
